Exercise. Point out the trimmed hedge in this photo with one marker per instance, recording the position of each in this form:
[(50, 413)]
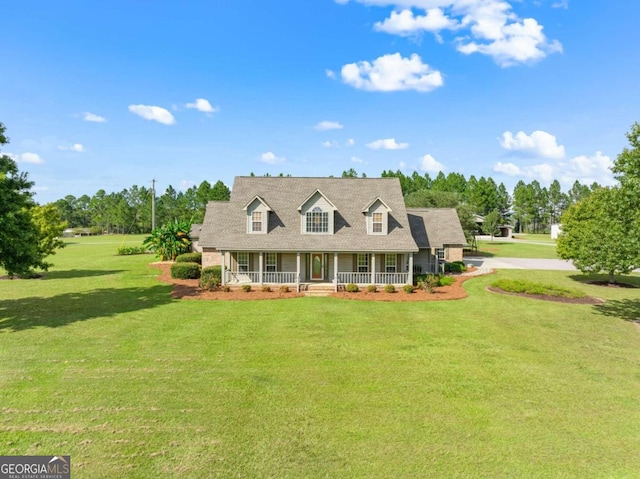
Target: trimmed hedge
[(408, 288), (455, 267), (351, 288), (211, 277), (372, 288), (129, 250), (389, 288), (189, 258), (185, 271)]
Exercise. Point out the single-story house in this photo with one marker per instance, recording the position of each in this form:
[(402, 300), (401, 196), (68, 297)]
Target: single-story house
[(506, 230), (286, 230)]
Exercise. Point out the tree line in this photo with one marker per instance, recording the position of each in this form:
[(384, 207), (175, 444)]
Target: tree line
[(530, 207)]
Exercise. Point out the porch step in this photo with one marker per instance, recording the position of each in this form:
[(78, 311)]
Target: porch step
[(324, 289)]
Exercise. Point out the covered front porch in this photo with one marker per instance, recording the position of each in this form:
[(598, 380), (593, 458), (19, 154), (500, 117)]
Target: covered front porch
[(299, 268)]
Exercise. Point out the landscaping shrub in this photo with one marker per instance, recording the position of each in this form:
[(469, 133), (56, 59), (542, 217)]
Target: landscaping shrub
[(351, 288), (530, 287), (446, 280), (266, 288), (372, 288), (430, 281), (129, 250), (283, 288), (389, 288), (226, 288), (246, 288), (408, 288), (211, 277), (189, 258), (185, 271), (455, 267)]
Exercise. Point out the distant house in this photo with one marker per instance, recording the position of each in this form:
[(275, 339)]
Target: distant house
[(506, 230), (277, 230)]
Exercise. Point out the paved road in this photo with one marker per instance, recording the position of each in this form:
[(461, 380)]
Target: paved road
[(520, 263)]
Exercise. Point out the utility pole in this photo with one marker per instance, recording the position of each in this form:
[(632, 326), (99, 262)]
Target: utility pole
[(153, 204)]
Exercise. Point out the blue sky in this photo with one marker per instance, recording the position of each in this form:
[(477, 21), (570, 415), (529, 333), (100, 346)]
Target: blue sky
[(105, 95)]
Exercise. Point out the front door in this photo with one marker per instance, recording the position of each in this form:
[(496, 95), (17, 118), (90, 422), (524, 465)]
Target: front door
[(317, 266)]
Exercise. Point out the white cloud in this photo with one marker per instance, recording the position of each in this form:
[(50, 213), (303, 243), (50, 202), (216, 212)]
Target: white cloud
[(330, 74), (186, 184), (428, 164), (154, 113), (203, 105), (330, 144), (329, 125), (75, 147), (539, 144), (405, 23), (270, 158), (387, 144), (355, 159), (27, 157), (88, 116), (351, 142), (489, 27), (392, 73), (585, 169)]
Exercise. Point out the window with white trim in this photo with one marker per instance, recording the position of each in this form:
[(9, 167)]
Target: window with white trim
[(256, 222), (376, 222), (271, 262), (440, 253), (390, 263), (317, 221), (363, 263), (243, 261)]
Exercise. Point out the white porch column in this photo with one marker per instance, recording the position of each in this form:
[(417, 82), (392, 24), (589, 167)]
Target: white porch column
[(260, 266), (222, 267), (298, 271), (373, 268), (335, 271), (410, 278)]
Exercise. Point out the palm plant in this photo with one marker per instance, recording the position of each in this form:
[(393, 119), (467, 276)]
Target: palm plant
[(170, 240)]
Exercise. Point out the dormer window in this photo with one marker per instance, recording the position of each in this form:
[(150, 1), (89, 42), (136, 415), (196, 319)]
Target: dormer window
[(256, 222), (377, 221), (377, 217), (317, 221), (257, 215)]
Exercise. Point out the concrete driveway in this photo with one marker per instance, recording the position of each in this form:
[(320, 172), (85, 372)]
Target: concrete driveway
[(519, 263)]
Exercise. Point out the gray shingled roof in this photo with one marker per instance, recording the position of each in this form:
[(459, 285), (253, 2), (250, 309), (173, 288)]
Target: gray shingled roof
[(435, 227), (225, 224)]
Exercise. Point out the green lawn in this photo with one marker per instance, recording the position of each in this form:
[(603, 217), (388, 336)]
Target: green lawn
[(538, 238), (514, 249), (98, 362)]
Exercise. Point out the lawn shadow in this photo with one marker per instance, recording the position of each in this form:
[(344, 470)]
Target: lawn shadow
[(78, 273), (67, 308), (626, 309), (595, 279)]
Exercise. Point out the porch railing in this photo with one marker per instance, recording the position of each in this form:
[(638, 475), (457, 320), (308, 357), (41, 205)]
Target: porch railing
[(365, 278), (242, 277), (392, 278)]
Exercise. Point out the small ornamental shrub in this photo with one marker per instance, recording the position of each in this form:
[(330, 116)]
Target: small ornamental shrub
[(266, 288), (372, 288), (283, 288), (408, 288), (246, 288), (457, 267), (210, 278), (189, 258), (446, 280), (389, 288), (129, 250), (185, 271), (429, 282), (351, 288), (226, 288)]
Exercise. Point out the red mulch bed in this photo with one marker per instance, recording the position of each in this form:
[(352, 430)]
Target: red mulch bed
[(188, 289)]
